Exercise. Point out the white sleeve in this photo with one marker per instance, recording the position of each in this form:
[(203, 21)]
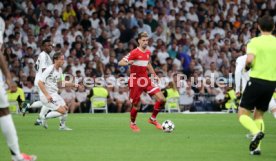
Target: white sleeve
[(46, 73), (43, 61), (238, 73)]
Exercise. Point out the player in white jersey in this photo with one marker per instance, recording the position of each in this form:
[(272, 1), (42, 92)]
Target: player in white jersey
[(6, 122), (43, 61), (49, 83), (241, 75)]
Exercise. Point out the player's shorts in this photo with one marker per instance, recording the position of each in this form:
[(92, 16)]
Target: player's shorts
[(57, 102), (272, 104), (257, 94), (136, 89), (4, 103)]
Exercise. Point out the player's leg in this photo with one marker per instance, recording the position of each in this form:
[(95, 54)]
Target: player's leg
[(261, 106), (160, 100), (249, 101), (8, 129), (63, 118), (134, 95), (258, 119)]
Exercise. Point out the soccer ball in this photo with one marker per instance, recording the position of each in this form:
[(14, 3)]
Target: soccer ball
[(168, 126)]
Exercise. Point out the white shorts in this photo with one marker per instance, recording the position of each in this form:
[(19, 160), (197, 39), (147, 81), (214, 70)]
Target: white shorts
[(4, 103), (272, 104), (55, 104)]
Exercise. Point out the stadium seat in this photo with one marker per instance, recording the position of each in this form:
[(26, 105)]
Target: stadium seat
[(172, 104), (98, 103)]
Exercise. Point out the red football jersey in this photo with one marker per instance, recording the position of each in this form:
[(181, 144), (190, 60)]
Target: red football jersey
[(141, 60)]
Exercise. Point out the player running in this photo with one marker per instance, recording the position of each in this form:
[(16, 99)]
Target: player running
[(48, 83), (242, 77), (139, 82), (261, 86), (43, 61)]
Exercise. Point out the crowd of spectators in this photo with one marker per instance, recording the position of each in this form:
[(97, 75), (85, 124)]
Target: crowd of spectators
[(197, 38)]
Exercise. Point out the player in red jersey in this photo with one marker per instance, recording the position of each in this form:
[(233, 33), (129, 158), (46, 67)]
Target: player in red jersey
[(139, 82)]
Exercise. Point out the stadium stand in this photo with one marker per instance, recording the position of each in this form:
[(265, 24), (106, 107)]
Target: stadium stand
[(200, 38)]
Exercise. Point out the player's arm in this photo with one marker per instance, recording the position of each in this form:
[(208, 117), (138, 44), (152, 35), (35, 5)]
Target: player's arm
[(238, 72), (42, 63), (249, 60), (151, 70), (5, 70), (42, 87), (127, 60), (251, 51)]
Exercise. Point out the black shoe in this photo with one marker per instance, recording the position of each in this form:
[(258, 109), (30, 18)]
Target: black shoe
[(255, 141), (256, 152), (38, 122)]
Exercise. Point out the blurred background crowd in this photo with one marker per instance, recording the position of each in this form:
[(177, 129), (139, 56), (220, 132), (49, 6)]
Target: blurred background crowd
[(196, 38)]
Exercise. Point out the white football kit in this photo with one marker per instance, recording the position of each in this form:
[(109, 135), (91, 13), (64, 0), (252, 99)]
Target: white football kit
[(50, 77)]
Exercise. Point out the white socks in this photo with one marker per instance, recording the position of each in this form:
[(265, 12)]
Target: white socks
[(43, 112), (53, 114), (9, 131), (63, 119), (274, 114)]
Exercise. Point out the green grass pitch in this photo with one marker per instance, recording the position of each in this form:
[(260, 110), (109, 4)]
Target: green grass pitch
[(107, 137)]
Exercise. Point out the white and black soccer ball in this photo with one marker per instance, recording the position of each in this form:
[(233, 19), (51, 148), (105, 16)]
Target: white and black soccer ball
[(168, 126)]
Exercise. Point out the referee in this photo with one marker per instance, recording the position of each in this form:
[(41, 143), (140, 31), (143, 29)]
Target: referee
[(261, 56)]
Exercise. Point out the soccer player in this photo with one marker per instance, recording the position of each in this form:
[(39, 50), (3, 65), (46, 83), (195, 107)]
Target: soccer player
[(43, 61), (48, 83), (6, 122), (259, 89), (241, 78), (139, 82)]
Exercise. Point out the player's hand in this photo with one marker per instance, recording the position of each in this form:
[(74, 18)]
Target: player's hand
[(49, 98), (130, 62)]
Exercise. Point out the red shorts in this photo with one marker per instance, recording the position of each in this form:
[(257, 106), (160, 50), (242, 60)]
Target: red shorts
[(136, 89)]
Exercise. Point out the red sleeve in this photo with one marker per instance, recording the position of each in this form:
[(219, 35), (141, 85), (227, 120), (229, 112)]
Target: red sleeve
[(130, 56)]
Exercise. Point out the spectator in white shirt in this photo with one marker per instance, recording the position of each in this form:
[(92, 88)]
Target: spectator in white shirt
[(162, 55), (192, 15)]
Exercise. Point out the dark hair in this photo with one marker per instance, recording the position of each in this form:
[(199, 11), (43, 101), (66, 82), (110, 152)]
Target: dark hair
[(56, 56), (266, 23), (45, 41), (142, 34)]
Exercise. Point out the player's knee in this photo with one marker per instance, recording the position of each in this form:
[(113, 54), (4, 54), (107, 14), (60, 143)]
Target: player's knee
[(62, 110)]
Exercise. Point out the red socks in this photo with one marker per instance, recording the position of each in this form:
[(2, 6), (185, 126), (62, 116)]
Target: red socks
[(156, 109), (133, 114)]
